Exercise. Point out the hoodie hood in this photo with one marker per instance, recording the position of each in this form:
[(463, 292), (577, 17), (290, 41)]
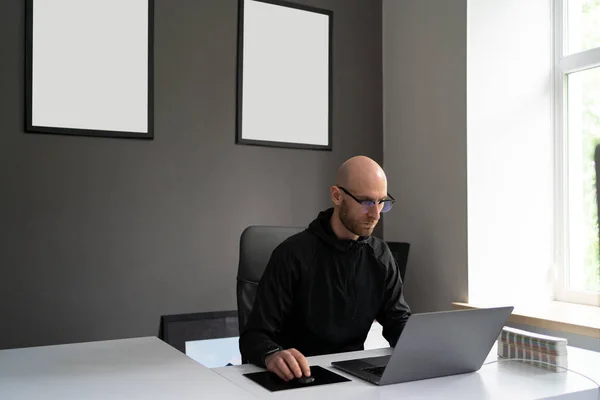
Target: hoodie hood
[(321, 226)]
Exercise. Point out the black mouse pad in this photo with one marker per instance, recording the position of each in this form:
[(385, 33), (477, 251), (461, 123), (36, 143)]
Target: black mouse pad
[(272, 382)]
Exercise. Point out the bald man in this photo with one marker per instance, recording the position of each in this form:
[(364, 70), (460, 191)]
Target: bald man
[(323, 287)]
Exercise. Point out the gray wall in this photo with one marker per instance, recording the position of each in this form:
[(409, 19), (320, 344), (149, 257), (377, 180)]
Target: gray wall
[(99, 237), (425, 144)]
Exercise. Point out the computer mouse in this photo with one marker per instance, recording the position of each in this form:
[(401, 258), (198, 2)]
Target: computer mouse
[(305, 380)]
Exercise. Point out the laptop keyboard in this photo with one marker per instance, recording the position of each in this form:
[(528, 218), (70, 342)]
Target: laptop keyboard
[(378, 371)]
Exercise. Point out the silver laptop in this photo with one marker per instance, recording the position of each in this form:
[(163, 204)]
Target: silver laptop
[(434, 345)]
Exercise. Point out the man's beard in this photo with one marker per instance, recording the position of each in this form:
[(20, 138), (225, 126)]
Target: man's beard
[(356, 227)]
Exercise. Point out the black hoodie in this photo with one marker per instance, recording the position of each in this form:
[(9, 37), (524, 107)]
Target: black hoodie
[(320, 295)]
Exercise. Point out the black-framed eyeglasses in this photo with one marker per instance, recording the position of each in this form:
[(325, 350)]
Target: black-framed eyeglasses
[(384, 205)]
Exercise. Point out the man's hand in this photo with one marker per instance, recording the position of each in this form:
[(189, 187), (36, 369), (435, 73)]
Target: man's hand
[(288, 364)]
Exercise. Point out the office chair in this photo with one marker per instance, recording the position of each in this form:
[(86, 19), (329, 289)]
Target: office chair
[(256, 245)]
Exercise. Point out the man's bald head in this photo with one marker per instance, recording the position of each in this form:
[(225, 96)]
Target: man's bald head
[(359, 180), (362, 174)]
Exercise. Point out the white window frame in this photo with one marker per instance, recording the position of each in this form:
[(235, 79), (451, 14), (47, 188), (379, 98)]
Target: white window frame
[(563, 65)]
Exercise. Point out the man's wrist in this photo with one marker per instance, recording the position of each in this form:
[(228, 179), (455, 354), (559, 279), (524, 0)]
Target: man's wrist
[(271, 350)]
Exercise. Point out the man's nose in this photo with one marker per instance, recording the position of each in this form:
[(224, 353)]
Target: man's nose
[(374, 211)]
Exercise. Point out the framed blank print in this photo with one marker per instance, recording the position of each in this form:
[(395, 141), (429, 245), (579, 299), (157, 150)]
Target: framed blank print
[(89, 67), (284, 75)]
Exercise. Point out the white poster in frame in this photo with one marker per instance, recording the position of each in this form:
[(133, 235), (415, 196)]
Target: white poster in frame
[(89, 67), (284, 75)]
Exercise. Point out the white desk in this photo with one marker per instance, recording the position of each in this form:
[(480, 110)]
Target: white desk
[(504, 380), (147, 368), (141, 368)]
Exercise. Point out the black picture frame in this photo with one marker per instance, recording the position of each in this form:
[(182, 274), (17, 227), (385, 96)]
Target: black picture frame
[(178, 329), (240, 137), (31, 123)]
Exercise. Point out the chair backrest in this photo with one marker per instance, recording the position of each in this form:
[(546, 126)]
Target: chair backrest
[(256, 245), (400, 253)]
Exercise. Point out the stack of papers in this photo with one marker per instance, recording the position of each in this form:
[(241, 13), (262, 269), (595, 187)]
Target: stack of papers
[(542, 351)]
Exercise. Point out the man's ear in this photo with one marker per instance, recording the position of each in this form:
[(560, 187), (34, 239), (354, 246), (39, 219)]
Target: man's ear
[(336, 196)]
